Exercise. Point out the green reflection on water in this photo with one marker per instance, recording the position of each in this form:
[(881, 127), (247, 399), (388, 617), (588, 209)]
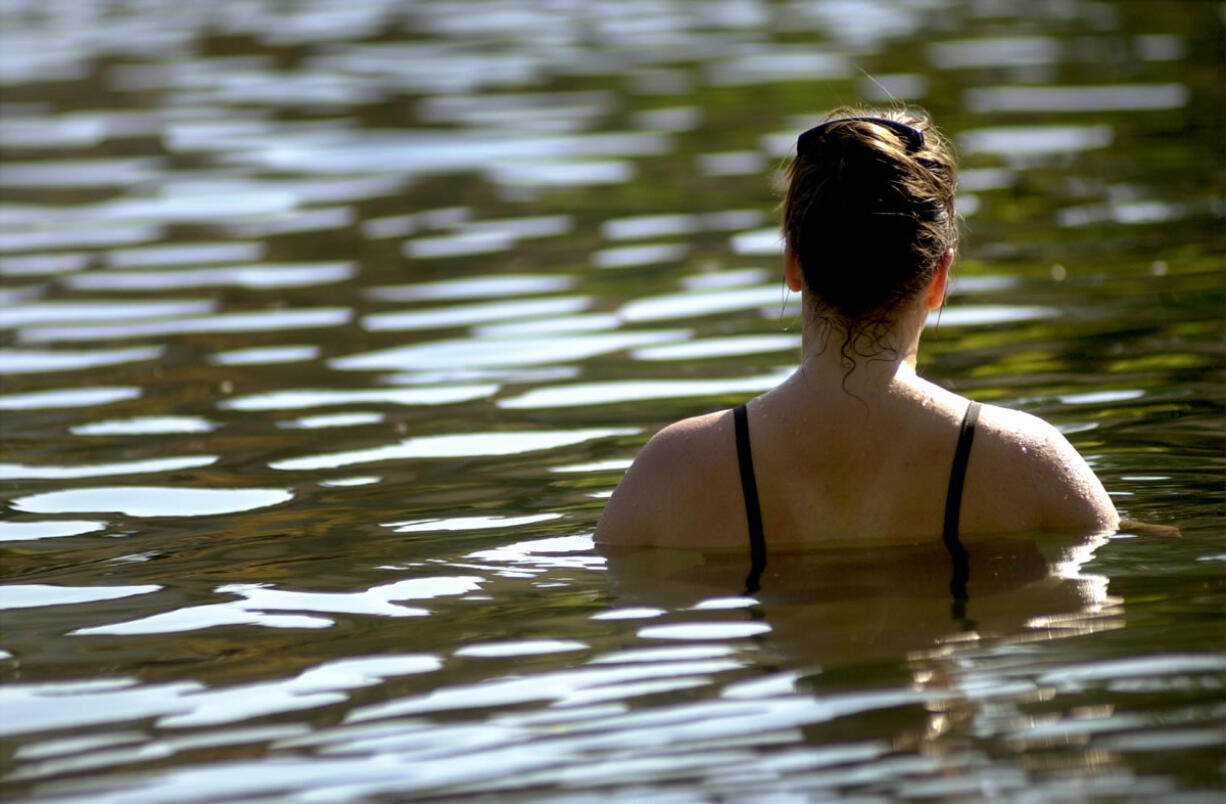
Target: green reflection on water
[(1125, 242)]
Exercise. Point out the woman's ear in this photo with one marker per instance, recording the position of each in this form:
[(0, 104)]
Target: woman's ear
[(791, 270), (935, 297)]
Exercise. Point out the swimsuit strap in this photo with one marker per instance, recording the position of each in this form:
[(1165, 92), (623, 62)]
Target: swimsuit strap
[(953, 503), (749, 487)]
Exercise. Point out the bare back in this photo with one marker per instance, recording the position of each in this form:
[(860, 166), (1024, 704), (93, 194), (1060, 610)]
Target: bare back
[(850, 471)]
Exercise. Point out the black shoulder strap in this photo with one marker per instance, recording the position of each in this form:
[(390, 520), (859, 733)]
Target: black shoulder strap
[(953, 503), (749, 487)]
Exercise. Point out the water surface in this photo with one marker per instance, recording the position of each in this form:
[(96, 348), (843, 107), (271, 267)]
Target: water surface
[(328, 328)]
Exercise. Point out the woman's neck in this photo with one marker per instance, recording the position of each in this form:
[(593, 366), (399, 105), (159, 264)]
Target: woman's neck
[(865, 366)]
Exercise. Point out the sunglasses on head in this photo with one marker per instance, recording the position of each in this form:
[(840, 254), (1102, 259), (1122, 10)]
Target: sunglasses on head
[(909, 134)]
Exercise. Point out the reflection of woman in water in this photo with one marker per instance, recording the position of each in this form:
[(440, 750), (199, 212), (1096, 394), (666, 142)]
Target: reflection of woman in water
[(855, 447)]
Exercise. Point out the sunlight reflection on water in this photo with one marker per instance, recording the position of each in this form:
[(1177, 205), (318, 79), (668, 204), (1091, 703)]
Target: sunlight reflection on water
[(359, 301), (143, 501)]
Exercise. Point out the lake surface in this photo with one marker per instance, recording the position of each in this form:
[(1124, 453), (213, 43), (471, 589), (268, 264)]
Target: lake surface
[(329, 327)]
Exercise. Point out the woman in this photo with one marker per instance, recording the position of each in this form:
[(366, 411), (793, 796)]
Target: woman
[(854, 445)]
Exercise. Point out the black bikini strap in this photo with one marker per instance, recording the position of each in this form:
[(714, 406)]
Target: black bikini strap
[(749, 487), (953, 503)]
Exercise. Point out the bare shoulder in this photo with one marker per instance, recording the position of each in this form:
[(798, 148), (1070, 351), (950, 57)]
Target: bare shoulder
[(664, 490), (1031, 473)]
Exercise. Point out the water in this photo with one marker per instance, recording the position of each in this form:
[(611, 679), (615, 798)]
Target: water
[(328, 327)]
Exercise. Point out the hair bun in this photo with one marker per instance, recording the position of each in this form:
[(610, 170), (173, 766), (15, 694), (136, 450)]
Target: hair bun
[(869, 212)]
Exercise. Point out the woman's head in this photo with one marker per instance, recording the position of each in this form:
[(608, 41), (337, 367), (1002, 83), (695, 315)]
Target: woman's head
[(869, 214)]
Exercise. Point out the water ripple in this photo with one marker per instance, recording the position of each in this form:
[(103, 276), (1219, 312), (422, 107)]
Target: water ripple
[(263, 276), (24, 596), (471, 287), (51, 529), (431, 195), (525, 647), (17, 471), (489, 352), (319, 398), (441, 317), (53, 312), (263, 355), (67, 398), (1117, 97), (38, 361), (604, 393), (461, 445), (261, 321), (146, 501), (467, 523)]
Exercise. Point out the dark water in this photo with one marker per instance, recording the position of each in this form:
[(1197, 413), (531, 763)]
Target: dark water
[(329, 326)]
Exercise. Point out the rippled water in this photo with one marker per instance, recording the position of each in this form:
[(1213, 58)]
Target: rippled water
[(328, 327)]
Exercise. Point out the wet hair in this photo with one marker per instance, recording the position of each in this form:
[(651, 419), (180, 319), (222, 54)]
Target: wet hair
[(868, 212)]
